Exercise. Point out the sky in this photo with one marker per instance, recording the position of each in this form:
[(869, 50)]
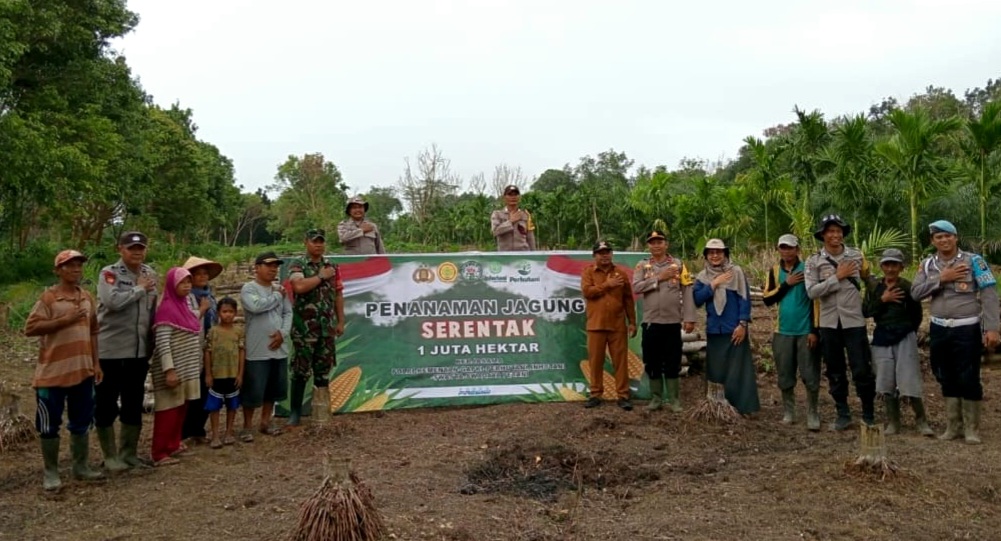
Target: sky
[(536, 84)]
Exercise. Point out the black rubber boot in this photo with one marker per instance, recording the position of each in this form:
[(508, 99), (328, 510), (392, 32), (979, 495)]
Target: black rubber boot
[(844, 419), (295, 400)]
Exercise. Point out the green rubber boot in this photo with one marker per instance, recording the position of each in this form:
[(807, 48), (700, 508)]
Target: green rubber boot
[(80, 447), (50, 460), (129, 444), (971, 421), (321, 404), (656, 394), (920, 419), (674, 394), (892, 415), (106, 436), (812, 412), (954, 418), (788, 406)]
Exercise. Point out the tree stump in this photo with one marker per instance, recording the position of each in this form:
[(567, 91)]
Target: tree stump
[(715, 409), (872, 460)]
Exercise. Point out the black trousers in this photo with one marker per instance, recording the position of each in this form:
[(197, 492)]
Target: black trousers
[(194, 419), (955, 360), (125, 380), (662, 350), (833, 344)]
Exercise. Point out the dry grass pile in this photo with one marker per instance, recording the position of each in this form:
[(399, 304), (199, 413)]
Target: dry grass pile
[(342, 509), (15, 427)]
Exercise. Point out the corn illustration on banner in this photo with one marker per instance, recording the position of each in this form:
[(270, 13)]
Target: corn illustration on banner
[(466, 328)]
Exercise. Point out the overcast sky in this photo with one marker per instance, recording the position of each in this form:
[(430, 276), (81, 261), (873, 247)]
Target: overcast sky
[(536, 83)]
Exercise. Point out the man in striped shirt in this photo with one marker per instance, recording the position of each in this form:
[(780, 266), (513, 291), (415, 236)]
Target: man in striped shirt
[(65, 320)]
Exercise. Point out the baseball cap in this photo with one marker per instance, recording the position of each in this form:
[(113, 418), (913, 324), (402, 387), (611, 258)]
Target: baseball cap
[(66, 256), (655, 234), (267, 258), (316, 233), (788, 240), (131, 238), (601, 246), (892, 255), (511, 188)]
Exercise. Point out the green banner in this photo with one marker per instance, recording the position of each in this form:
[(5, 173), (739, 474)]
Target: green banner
[(466, 328)]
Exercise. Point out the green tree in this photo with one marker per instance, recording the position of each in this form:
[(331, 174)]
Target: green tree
[(764, 178), (911, 153), (806, 143), (311, 193), (983, 140)]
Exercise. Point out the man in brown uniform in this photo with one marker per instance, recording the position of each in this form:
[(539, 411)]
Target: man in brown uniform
[(668, 308), (608, 297), (513, 226), (358, 235)]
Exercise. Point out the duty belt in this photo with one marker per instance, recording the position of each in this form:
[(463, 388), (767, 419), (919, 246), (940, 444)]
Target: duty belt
[(945, 322)]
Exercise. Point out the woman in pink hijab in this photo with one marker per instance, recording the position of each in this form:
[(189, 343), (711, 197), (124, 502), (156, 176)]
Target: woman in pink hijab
[(176, 365)]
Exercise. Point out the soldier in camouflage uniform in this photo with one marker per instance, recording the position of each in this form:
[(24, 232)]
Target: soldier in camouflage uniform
[(317, 320)]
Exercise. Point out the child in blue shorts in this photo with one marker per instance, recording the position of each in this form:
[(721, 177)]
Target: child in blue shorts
[(224, 360)]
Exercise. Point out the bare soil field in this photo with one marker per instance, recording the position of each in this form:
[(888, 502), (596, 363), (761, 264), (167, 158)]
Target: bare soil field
[(541, 472)]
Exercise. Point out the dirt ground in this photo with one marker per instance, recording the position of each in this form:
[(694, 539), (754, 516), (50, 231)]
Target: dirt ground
[(537, 473)]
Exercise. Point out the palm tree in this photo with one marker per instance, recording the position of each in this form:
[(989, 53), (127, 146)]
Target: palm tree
[(807, 142), (853, 179), (764, 177), (984, 139), (912, 155)]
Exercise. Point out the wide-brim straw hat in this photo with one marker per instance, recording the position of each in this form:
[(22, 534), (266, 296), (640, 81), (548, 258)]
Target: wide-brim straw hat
[(215, 269)]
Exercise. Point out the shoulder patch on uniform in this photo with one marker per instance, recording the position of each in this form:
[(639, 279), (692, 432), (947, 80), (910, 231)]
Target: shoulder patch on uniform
[(109, 277)]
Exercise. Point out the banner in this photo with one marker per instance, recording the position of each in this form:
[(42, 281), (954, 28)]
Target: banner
[(467, 328)]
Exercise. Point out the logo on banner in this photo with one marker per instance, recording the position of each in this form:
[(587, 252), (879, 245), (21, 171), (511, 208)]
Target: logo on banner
[(471, 271), (423, 274), (448, 272), (524, 268)]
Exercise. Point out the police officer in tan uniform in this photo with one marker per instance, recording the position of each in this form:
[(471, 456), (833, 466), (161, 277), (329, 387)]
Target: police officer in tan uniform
[(127, 298), (665, 285), (358, 235), (513, 226)]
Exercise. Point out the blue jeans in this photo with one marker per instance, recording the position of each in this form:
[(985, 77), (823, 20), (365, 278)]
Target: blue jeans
[(52, 400)]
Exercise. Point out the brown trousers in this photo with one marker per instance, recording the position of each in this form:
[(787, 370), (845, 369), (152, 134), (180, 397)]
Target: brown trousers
[(617, 343)]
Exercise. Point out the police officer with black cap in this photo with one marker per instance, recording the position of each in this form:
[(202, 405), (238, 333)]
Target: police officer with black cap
[(665, 286), (835, 276), (513, 226)]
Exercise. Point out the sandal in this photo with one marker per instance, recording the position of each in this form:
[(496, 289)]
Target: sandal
[(182, 451), (271, 430), (216, 444), (169, 461), (228, 440), (246, 436)]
